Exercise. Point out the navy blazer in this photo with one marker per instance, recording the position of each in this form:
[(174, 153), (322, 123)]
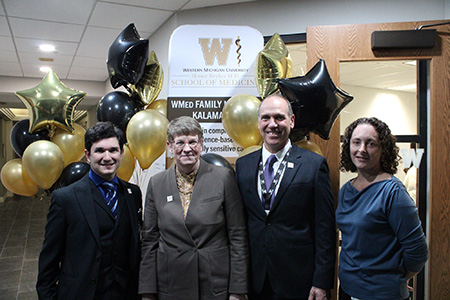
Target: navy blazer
[(295, 244), (70, 257)]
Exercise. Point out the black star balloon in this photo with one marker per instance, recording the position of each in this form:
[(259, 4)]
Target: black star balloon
[(127, 57), (315, 100), (51, 104)]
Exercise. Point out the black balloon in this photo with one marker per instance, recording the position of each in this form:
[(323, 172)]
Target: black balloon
[(72, 173), (127, 57), (21, 138), (118, 108), (315, 99), (218, 160)]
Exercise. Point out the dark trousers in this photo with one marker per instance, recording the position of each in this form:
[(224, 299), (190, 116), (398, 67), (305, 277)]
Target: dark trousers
[(267, 293), (114, 292)]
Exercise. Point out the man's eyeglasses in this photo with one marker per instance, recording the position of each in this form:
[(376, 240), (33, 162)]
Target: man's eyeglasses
[(180, 144)]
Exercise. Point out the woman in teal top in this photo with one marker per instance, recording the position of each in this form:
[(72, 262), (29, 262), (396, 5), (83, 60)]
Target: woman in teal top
[(383, 245)]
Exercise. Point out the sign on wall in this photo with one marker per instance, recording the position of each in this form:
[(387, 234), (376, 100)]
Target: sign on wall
[(208, 64)]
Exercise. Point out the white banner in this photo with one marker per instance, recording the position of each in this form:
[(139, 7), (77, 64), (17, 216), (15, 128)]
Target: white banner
[(208, 64)]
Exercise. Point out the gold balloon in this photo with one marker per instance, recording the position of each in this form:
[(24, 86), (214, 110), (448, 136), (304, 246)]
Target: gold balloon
[(150, 84), (51, 104), (159, 105), (71, 144), (308, 145), (147, 137), (272, 63), (249, 150), (126, 169), (44, 162), (240, 120), (16, 180)]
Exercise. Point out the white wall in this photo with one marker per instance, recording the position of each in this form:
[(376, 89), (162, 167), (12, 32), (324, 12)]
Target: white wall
[(394, 108)]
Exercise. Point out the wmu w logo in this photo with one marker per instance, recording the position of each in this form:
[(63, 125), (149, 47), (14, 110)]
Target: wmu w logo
[(218, 48), (411, 156)]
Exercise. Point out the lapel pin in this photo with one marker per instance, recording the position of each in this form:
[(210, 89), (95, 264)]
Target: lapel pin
[(290, 165), (129, 191), (169, 198)]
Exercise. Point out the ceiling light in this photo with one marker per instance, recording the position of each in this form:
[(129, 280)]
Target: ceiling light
[(47, 48), (45, 69)]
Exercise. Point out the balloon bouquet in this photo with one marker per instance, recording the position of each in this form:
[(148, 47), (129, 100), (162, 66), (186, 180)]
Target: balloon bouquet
[(47, 141), (50, 144), (315, 100), (140, 116)]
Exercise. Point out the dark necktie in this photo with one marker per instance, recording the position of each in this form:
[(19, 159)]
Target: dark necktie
[(268, 177), (110, 196)]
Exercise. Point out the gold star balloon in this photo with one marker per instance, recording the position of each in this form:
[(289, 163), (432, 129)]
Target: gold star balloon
[(272, 63), (51, 104), (150, 84)]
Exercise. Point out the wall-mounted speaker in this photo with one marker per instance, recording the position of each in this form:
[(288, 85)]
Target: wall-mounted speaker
[(404, 39)]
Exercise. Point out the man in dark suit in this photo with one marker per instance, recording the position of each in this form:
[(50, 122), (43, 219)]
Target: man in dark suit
[(91, 246), (290, 218)]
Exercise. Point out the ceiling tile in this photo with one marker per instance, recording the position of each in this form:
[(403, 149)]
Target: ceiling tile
[(4, 28), (172, 5), (6, 44), (75, 12), (46, 30), (79, 73), (111, 15), (33, 58), (32, 70), (8, 56), (32, 45), (205, 3), (10, 69), (89, 62), (96, 42)]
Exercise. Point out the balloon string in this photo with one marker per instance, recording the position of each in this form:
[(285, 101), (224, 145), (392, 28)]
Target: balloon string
[(51, 131)]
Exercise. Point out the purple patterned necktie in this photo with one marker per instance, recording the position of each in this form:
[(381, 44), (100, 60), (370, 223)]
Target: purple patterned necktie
[(110, 196), (268, 170)]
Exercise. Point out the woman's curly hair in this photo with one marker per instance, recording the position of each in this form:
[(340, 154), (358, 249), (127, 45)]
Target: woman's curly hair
[(389, 151)]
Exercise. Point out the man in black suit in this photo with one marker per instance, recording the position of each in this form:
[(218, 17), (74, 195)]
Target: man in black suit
[(91, 246), (290, 218)]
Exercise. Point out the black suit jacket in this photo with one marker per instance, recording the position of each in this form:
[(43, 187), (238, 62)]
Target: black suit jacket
[(70, 259), (295, 243)]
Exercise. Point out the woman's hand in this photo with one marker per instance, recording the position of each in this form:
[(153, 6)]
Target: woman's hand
[(238, 297), (149, 297)]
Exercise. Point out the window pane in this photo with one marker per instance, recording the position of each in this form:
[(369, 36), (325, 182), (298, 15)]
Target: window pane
[(381, 89)]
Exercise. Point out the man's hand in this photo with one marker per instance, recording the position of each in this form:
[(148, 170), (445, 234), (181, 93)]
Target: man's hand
[(317, 294)]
